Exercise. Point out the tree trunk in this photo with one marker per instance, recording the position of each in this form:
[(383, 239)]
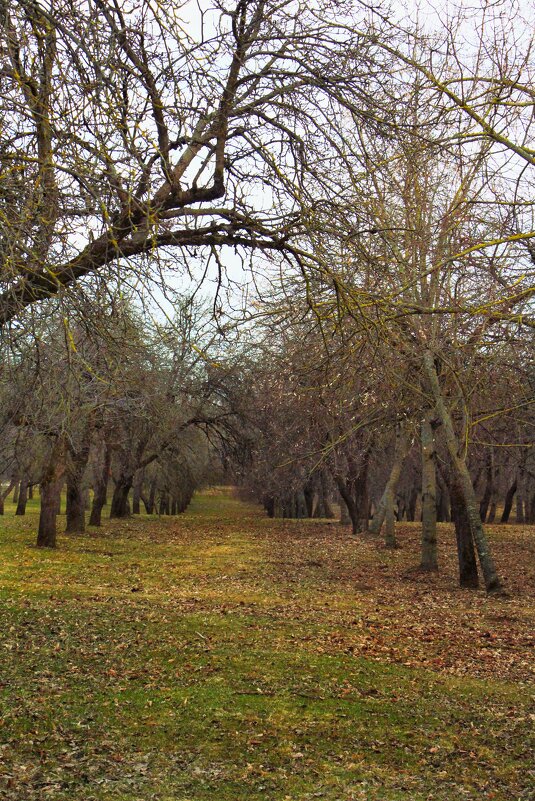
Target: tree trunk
[(319, 507), (51, 485), (443, 500), (390, 525), (164, 504), (519, 508), (23, 498), (345, 519), (149, 502), (352, 510), (308, 492), (100, 489), (401, 449), (301, 506), (119, 502), (411, 506), (429, 560), (327, 509), (521, 490), (489, 486), (75, 506), (5, 493), (136, 494), (508, 503), (76, 468), (465, 543), (492, 581)]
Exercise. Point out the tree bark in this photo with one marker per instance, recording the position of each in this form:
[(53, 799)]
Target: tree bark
[(149, 502), (345, 519), (390, 525), (100, 489), (531, 510), (429, 559), (119, 502), (136, 494), (520, 517), (164, 504), (489, 486), (328, 512), (492, 581), (443, 498), (51, 485), (508, 503), (345, 492), (77, 465), (401, 448), (411, 505), (75, 507), (23, 497), (309, 498), (465, 543), (5, 493)]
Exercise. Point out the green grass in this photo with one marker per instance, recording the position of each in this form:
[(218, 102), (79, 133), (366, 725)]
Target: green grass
[(177, 660)]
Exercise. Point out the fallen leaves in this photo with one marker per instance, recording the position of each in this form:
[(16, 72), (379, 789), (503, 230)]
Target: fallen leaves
[(260, 659)]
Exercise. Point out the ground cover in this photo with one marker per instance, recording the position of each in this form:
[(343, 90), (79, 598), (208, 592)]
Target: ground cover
[(222, 655)]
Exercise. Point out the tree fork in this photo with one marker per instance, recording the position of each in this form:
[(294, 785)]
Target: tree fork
[(492, 581)]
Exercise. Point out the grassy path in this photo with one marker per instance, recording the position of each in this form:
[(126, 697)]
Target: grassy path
[(224, 656)]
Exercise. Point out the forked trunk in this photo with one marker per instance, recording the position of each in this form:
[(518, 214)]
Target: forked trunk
[(492, 581), (149, 502), (401, 449), (352, 510), (120, 506)]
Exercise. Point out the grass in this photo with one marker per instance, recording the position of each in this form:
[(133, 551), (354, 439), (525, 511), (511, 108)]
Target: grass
[(221, 655)]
